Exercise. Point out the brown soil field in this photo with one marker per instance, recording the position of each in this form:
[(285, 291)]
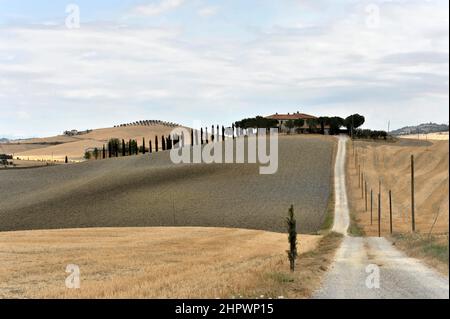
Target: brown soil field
[(390, 164), (159, 263), (44, 149), (148, 190)]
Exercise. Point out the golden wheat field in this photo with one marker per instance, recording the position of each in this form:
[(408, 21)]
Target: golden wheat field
[(56, 148), (390, 164), (154, 263), (439, 136)]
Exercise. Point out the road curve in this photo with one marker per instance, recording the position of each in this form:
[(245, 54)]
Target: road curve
[(372, 268)]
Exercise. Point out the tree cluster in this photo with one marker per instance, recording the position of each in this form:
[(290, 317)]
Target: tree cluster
[(256, 122)]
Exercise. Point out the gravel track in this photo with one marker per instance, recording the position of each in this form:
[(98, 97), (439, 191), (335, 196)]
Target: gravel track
[(149, 190), (400, 277)]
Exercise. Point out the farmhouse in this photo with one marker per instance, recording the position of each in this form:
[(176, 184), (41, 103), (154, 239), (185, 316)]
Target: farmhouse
[(310, 122)]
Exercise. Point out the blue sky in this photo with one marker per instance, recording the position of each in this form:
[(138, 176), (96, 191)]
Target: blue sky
[(218, 61)]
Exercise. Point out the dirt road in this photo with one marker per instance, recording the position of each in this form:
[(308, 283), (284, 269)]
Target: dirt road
[(369, 268)]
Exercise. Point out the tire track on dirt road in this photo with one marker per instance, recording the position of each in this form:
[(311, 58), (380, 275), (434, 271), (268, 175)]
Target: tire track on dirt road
[(359, 260)]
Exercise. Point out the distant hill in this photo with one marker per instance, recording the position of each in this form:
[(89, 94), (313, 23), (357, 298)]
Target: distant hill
[(422, 129), (3, 140), (74, 143)]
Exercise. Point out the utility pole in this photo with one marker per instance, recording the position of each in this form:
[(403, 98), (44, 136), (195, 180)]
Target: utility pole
[(359, 176), (390, 210), (412, 195), (353, 123), (379, 215), (365, 193), (362, 185), (371, 207)]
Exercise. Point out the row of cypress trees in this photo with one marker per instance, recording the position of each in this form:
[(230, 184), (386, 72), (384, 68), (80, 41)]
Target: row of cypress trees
[(215, 134), (115, 147)]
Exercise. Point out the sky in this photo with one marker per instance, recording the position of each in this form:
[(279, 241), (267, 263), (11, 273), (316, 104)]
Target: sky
[(88, 64)]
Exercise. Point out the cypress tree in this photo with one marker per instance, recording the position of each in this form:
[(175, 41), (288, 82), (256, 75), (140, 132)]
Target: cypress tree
[(123, 148), (223, 133), (66, 160), (292, 237), (109, 149), (192, 137), (150, 146), (212, 133), (143, 145), (96, 153), (116, 147), (156, 143), (218, 134), (232, 129), (136, 147), (163, 143), (201, 136), (169, 143), (206, 137), (104, 152)]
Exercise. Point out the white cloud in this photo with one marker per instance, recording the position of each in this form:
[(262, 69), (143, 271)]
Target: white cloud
[(154, 9), (22, 115), (396, 72), (208, 11)]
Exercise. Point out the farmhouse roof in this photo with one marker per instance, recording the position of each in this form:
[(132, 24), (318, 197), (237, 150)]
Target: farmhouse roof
[(293, 116)]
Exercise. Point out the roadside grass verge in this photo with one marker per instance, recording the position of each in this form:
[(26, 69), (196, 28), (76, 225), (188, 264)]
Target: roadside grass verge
[(311, 266), (381, 165), (433, 250), (328, 222), (329, 217), (355, 229)]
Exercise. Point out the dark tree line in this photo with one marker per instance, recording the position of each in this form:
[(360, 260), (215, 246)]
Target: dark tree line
[(256, 122), (316, 125), (370, 134)]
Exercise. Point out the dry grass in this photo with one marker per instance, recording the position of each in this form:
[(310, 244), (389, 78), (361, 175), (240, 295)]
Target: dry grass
[(390, 163), (18, 164), (431, 249), (160, 263), (441, 136), (10, 148), (41, 149)]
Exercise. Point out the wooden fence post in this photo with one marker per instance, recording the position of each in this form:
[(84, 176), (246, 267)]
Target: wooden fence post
[(390, 210), (379, 186), (413, 221), (379, 215), (365, 193), (359, 176), (371, 207), (362, 185)]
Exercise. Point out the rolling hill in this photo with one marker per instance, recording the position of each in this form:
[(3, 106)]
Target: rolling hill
[(149, 190), (56, 148), (421, 129)]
